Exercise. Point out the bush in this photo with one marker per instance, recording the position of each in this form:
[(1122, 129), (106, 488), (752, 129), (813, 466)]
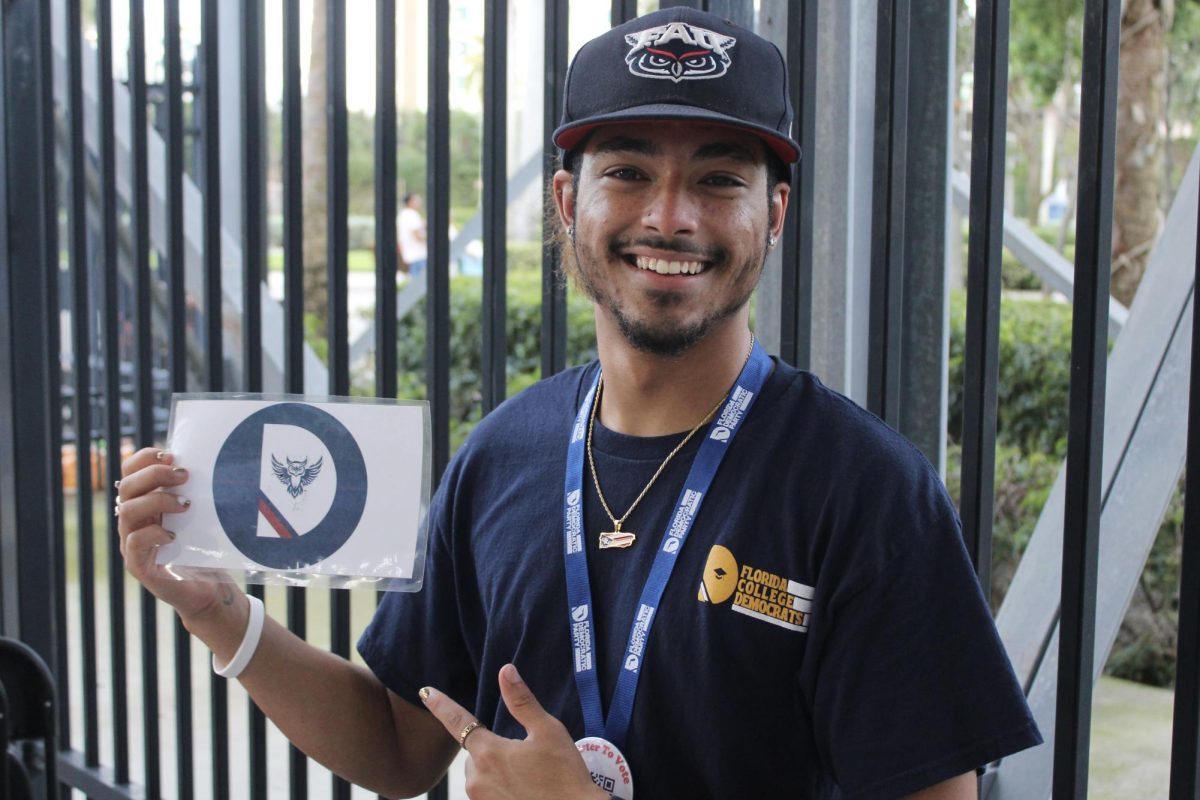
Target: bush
[(1034, 382), (1034, 385), (524, 315)]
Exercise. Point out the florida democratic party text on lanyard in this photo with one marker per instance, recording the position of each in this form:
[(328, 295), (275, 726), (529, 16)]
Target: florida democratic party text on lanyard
[(604, 739)]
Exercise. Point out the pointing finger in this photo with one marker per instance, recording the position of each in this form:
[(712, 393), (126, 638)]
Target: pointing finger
[(457, 721), (521, 703)]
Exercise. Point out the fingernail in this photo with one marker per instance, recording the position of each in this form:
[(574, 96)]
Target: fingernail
[(179, 470), (183, 501), (424, 693), (512, 676), (160, 455), (170, 534)]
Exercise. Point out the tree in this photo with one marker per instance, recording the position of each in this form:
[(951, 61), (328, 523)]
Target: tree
[(1141, 122)]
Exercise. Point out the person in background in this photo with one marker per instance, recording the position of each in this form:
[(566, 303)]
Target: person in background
[(410, 233)]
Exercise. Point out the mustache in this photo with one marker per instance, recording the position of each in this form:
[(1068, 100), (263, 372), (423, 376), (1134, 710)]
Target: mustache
[(713, 254)]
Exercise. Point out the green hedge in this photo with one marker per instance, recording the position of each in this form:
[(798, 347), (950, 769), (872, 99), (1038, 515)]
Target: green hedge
[(1034, 384), (466, 344), (1034, 380)]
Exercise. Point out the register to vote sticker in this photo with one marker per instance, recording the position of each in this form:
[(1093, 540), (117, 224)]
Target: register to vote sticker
[(288, 490)]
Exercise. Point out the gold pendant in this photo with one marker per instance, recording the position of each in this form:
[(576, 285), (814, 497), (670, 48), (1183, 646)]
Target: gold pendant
[(616, 539)]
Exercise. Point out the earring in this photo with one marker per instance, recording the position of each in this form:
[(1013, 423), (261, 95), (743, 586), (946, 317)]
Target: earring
[(772, 241), (571, 232)]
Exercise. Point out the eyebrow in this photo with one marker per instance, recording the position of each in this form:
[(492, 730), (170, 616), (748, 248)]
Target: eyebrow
[(712, 151)]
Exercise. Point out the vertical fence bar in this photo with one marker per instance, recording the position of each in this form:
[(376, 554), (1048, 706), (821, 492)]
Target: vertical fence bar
[(1089, 353), (981, 356), (888, 210), (29, 379), (336, 227), (293, 208), (622, 11), (1185, 738), (495, 200), (437, 298), (293, 299), (385, 198), (143, 366), (795, 327), (554, 289), (437, 269), (253, 271), (214, 351), (81, 347), (177, 344), (111, 325), (56, 609)]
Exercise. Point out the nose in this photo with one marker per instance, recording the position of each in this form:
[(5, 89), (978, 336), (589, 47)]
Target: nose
[(672, 210)]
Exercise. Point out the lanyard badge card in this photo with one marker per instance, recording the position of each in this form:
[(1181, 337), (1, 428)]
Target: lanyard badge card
[(294, 491)]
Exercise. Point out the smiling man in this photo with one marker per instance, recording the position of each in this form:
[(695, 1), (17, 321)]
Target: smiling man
[(687, 568)]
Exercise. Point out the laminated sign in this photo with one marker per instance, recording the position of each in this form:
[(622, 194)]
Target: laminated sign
[(285, 490)]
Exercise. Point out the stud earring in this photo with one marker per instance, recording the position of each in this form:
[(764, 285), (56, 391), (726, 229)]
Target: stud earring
[(571, 232), (772, 241)]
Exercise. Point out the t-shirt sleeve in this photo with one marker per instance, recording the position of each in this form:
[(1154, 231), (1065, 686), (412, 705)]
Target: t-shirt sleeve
[(914, 686), (418, 638)]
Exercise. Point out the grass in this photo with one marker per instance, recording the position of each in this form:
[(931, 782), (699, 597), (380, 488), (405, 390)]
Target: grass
[(356, 261)]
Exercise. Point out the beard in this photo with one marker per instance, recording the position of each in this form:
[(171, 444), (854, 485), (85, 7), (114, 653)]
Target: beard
[(662, 336)]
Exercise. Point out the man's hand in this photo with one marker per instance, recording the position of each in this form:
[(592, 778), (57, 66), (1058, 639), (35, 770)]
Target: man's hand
[(545, 764)]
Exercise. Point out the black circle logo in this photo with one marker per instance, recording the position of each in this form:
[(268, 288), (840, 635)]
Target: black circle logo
[(243, 505)]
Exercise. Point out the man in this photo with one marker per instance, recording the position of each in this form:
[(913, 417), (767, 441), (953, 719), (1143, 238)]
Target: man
[(716, 577), (410, 234)]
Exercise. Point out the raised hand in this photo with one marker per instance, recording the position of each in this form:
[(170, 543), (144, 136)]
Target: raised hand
[(545, 764), (147, 495)]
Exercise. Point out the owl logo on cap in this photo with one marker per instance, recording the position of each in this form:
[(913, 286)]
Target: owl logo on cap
[(678, 52)]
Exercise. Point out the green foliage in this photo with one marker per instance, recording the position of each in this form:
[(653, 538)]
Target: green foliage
[(1035, 339), (1022, 484), (1034, 382), (1042, 35), (466, 323)]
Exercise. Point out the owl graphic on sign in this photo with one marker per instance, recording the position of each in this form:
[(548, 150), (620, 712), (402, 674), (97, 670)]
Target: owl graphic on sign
[(296, 473)]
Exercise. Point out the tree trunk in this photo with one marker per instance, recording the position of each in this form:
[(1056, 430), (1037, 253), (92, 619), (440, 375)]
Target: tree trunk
[(1141, 108), (315, 137)]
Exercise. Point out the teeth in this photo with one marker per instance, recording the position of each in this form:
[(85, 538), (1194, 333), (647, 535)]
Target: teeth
[(670, 267)]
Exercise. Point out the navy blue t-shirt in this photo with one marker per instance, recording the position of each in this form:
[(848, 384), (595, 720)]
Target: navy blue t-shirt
[(822, 635)]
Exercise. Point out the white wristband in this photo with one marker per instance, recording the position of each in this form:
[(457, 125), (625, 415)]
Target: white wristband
[(249, 643)]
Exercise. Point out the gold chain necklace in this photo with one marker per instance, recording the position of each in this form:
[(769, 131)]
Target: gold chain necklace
[(617, 538)]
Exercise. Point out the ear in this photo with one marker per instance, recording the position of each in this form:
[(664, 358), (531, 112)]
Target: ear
[(564, 197), (779, 204)]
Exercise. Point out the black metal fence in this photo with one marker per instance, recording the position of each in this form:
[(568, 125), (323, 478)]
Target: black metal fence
[(70, 240)]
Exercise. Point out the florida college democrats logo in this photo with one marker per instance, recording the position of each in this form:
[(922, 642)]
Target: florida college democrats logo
[(289, 485)]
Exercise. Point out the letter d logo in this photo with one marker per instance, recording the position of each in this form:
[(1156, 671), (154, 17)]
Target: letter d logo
[(720, 433), (631, 663)]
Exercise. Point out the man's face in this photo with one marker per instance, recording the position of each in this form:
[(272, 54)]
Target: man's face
[(671, 226)]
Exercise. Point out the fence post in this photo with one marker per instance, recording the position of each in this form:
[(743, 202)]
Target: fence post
[(30, 564)]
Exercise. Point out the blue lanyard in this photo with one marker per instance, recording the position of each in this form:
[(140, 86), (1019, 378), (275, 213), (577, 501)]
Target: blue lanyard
[(717, 440)]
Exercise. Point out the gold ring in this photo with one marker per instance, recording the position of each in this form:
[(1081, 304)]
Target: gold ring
[(462, 737)]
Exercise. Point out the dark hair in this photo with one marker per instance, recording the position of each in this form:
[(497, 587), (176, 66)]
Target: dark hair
[(407, 197)]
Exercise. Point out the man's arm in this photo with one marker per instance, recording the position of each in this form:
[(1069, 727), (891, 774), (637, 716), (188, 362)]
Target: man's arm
[(338, 713), (963, 787)]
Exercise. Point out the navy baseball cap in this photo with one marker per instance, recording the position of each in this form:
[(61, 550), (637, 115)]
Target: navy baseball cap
[(679, 64)]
